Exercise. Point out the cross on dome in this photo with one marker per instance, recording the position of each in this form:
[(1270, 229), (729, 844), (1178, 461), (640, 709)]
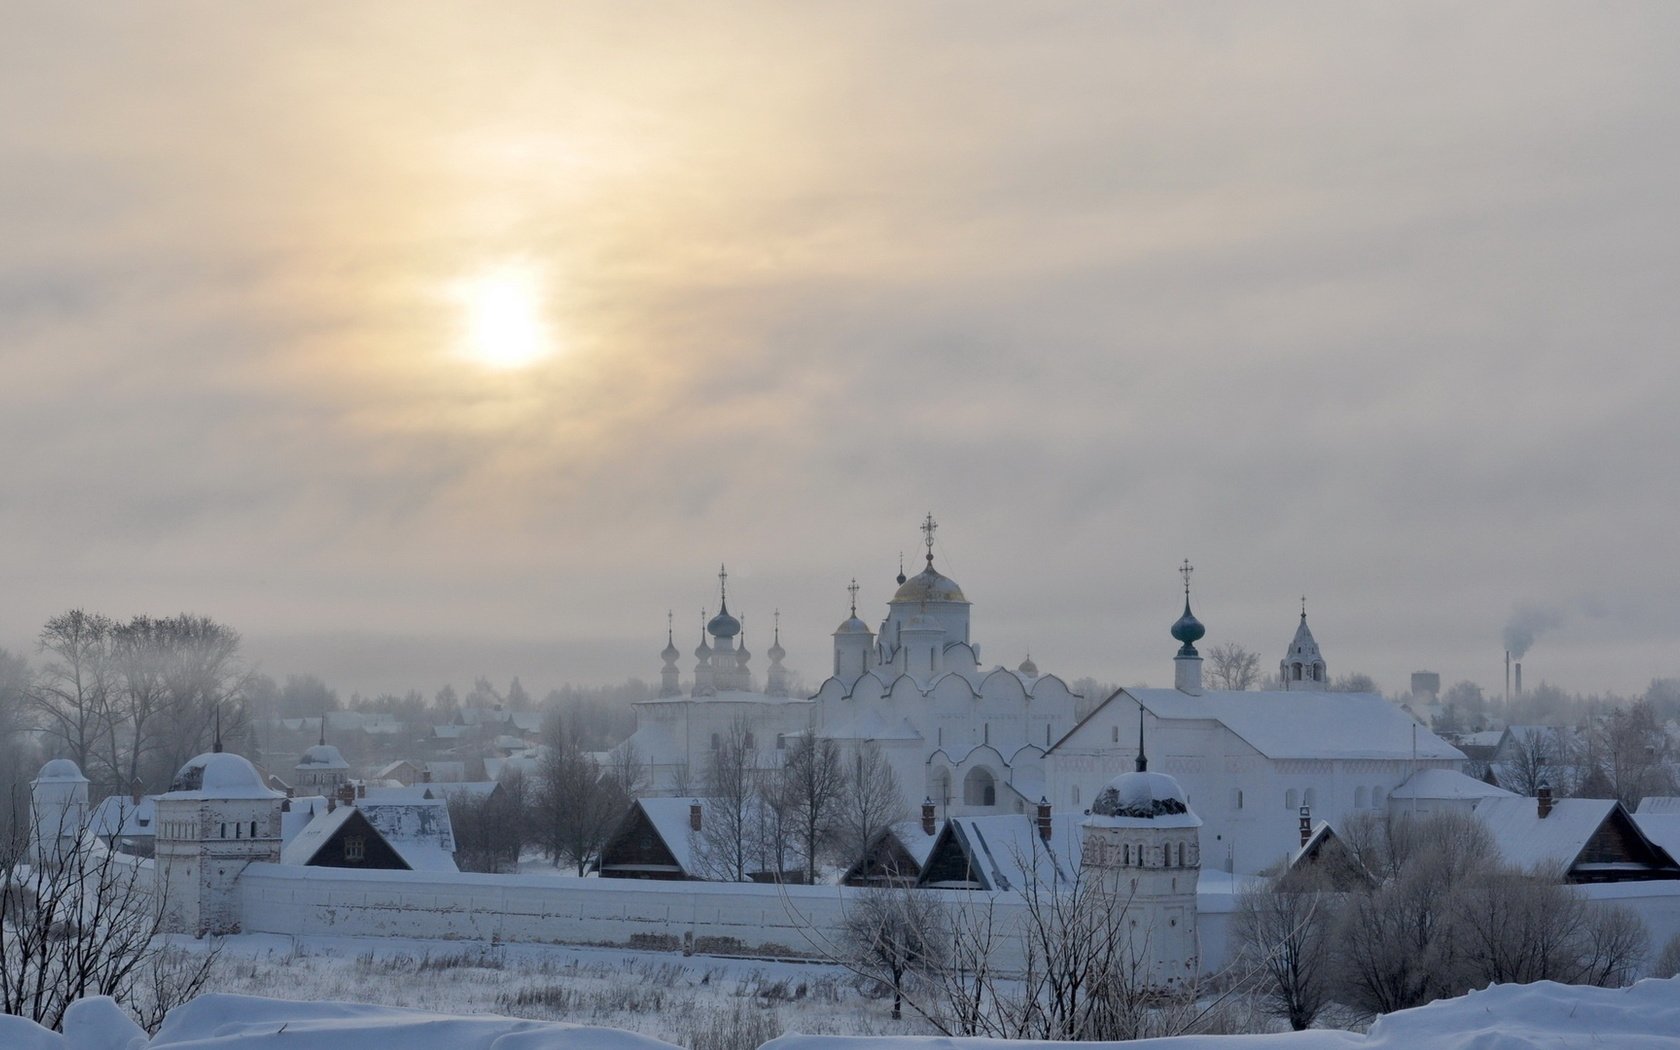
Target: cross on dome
[(1185, 570), (928, 527), (854, 589), (723, 585)]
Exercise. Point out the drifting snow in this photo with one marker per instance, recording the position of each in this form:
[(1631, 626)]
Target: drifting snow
[(1504, 1017)]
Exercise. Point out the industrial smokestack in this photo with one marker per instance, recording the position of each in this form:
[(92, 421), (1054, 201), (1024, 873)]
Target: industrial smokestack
[(1519, 678), (1507, 676)]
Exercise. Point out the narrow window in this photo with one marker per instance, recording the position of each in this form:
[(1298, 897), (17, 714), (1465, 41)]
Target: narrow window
[(224, 831), (1180, 857), (1114, 734), (1291, 801)]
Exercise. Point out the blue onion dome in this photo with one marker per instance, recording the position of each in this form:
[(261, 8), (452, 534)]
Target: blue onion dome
[(1029, 668), (670, 651), (723, 625), (776, 652), (1188, 630)]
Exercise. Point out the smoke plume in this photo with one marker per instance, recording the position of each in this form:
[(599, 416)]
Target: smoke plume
[(1526, 625)]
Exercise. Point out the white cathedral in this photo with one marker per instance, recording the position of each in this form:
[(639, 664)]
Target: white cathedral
[(978, 741)]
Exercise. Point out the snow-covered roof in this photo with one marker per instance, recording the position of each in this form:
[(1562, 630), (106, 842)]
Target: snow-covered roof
[(1141, 800), (916, 842), (1661, 827), (1446, 784), (669, 817), (121, 815), (219, 775), (322, 756), (308, 842), (1526, 840), (416, 826), (1006, 852), (60, 771), (1659, 804), (295, 819), (1303, 724), (727, 696)]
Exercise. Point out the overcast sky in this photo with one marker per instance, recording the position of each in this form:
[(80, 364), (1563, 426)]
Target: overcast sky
[(1375, 303)]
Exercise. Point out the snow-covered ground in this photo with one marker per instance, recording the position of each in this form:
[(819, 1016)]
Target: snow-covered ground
[(1508, 1017), (656, 993)]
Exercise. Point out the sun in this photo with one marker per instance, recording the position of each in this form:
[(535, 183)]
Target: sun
[(502, 317)]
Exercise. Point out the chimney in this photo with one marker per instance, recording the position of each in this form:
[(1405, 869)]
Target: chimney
[(425, 776), (1044, 818), (694, 815), (286, 804), (361, 789), (347, 794), (1306, 825), (927, 816), (135, 790), (1519, 678), (1545, 800)]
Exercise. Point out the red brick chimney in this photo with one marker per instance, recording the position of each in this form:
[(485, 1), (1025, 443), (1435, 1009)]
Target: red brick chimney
[(1306, 825), (1044, 818), (347, 794), (694, 815), (927, 816), (1545, 800)]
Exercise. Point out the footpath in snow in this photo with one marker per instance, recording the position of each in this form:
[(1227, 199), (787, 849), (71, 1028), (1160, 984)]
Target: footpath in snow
[(1505, 1017)]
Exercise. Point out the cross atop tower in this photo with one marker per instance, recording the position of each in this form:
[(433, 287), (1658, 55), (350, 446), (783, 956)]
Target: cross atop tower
[(670, 625), (1185, 570), (1303, 607), (928, 527), (854, 589), (777, 615), (723, 587)]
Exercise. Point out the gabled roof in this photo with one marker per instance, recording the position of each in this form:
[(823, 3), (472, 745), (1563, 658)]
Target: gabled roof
[(1295, 724), (1661, 827), (120, 815), (309, 842), (1004, 852), (1561, 838)]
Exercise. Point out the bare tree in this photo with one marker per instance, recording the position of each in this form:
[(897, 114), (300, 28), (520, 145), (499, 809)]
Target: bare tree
[(1230, 666), (86, 922), (892, 934), (16, 753), (807, 794), (728, 843), (626, 769), (869, 802), (1635, 754), (577, 806), (72, 689), (203, 683), (1539, 755), (489, 829), (1284, 930), (1355, 682)]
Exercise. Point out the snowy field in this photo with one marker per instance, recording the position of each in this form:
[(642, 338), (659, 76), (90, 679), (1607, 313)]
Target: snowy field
[(1508, 1017), (702, 1002)]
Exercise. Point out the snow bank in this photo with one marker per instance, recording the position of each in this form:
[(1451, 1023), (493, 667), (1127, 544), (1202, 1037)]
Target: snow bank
[(1504, 1017), (241, 1022), (95, 1023)]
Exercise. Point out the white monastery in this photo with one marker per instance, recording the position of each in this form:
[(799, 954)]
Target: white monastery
[(976, 741)]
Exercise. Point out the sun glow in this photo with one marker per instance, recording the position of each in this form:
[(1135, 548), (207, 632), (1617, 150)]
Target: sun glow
[(502, 323)]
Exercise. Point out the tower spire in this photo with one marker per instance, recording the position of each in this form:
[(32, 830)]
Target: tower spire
[(928, 527), (323, 727), (1303, 608), (670, 627), (1142, 762), (777, 619), (854, 589), (217, 747), (723, 589)]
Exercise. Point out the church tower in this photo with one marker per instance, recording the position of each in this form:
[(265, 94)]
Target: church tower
[(775, 679), (854, 645), (1187, 665), (668, 685), (1302, 668), (703, 664), (927, 619)]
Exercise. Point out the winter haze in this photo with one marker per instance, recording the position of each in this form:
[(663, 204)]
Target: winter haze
[(1371, 303)]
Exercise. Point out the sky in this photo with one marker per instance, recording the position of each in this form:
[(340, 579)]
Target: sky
[(1371, 303)]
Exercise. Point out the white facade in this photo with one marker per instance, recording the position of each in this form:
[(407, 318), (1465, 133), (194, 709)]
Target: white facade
[(971, 739), (58, 809), (216, 819), (1143, 842)]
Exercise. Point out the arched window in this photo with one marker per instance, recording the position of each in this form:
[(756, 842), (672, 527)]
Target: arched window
[(238, 830), (1291, 800), (979, 788), (1377, 798), (1076, 794), (1181, 854), (1236, 798), (1310, 799), (1295, 670), (715, 741), (1126, 854), (1115, 734), (1318, 672), (253, 829), (224, 831), (1361, 797), (985, 732), (749, 740)]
